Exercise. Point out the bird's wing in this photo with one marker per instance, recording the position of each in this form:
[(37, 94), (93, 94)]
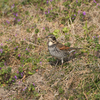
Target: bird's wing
[(66, 48)]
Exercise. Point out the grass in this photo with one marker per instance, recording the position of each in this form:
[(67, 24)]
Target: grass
[(24, 57)]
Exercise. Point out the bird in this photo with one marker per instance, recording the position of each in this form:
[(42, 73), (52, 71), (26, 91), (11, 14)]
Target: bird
[(59, 50)]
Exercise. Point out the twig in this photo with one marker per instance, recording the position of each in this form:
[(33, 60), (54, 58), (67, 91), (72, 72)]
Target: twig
[(85, 96), (33, 43)]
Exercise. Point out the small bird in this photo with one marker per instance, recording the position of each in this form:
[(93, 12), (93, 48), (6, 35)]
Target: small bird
[(59, 50)]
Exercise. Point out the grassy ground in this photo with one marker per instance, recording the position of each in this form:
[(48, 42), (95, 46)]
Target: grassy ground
[(26, 69)]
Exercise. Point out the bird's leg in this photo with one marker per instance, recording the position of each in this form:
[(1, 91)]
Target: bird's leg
[(62, 61)]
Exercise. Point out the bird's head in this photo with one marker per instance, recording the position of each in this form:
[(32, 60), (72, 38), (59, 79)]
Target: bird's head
[(51, 39)]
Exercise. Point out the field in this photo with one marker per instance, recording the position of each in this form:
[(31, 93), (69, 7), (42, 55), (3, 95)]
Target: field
[(28, 71)]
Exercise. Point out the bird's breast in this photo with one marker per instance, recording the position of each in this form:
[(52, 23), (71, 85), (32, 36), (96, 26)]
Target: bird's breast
[(54, 51)]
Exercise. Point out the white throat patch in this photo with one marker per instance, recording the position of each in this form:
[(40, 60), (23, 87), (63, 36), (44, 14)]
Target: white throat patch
[(50, 43)]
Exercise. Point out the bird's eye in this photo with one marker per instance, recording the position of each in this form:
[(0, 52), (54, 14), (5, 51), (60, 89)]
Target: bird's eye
[(53, 38)]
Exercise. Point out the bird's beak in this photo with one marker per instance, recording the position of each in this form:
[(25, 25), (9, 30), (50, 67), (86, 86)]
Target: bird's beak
[(46, 37)]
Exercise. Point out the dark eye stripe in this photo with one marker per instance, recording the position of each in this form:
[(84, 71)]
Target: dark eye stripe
[(53, 38)]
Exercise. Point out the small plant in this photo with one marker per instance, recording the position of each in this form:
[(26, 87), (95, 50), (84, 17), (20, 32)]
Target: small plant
[(41, 8), (32, 88), (36, 31), (67, 37), (78, 2), (86, 29), (60, 90), (20, 72), (28, 30), (27, 12), (67, 4), (56, 32), (65, 30), (83, 16), (51, 16), (73, 17), (30, 91), (65, 19), (96, 41), (51, 59), (68, 44), (5, 75)]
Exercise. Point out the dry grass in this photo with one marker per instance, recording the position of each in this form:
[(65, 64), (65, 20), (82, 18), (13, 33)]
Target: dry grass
[(25, 50)]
